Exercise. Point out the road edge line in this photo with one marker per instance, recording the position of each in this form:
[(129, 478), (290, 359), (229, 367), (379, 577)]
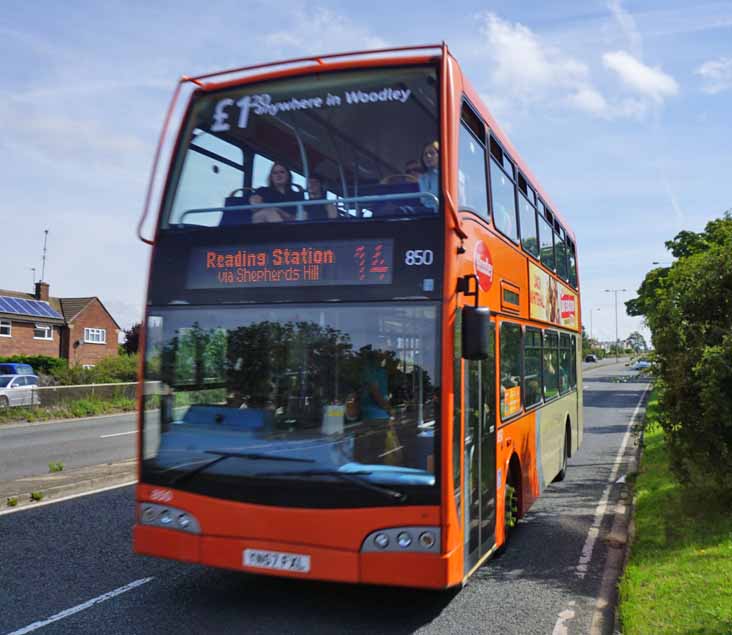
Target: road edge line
[(604, 617), (99, 490)]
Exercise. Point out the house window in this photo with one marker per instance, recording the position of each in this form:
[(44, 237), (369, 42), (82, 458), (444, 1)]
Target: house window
[(95, 336), (43, 332), (6, 328)]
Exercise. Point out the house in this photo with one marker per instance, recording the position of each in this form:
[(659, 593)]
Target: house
[(80, 330)]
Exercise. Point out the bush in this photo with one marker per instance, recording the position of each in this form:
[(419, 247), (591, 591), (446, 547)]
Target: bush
[(122, 368), (688, 308)]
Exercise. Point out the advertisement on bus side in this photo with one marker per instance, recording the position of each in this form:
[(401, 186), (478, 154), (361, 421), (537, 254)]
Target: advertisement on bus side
[(550, 300)]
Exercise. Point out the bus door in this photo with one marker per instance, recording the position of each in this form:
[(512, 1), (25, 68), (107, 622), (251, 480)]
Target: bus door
[(480, 456)]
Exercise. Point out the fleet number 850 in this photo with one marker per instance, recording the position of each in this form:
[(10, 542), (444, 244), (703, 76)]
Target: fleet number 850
[(417, 257)]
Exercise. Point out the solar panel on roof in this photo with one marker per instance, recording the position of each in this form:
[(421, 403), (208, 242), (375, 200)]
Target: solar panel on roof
[(34, 308)]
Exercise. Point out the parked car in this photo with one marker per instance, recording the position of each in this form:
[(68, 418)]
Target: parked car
[(12, 368), (590, 358), (640, 364), (18, 390)]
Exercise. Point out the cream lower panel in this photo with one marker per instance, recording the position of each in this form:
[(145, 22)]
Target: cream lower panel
[(550, 427)]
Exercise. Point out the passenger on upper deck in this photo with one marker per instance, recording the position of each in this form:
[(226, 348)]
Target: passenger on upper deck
[(316, 191), (429, 180), (279, 189), (413, 168)]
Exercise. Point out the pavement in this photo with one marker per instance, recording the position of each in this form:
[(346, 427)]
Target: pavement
[(68, 567)]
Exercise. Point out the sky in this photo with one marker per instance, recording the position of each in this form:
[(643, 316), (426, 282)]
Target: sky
[(621, 109)]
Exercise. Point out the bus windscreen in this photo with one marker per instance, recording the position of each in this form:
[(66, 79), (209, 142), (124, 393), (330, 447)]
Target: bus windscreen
[(296, 405), (325, 147)]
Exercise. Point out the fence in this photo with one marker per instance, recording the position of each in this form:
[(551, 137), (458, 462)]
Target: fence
[(50, 396)]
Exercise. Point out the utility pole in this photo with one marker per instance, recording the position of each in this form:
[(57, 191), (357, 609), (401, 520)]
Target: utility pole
[(617, 340), (43, 269)]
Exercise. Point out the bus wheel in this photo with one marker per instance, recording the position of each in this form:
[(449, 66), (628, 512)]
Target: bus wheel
[(565, 455), (4, 402), (510, 509)]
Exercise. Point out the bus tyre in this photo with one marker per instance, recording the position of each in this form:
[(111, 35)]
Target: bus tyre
[(565, 455), (510, 509)]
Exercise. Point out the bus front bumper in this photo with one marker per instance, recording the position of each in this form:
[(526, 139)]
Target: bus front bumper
[(419, 570)]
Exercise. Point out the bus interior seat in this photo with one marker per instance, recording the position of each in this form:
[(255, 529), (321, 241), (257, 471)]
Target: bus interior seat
[(404, 206), (233, 216)]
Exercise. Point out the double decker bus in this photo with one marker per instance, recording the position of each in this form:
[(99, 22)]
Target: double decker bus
[(361, 335)]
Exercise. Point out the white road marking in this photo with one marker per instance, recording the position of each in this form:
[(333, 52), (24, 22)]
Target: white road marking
[(81, 607), (560, 627), (117, 434), (601, 509), (65, 498)]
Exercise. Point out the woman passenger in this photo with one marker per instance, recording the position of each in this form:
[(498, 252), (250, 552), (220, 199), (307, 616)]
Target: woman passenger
[(316, 192), (429, 180), (278, 190)]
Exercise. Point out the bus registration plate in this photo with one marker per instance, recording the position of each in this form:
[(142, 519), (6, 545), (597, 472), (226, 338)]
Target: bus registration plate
[(277, 560)]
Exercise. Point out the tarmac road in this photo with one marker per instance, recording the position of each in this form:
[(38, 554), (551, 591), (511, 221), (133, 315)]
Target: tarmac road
[(60, 560)]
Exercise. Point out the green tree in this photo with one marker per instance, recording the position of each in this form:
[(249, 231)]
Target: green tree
[(688, 308)]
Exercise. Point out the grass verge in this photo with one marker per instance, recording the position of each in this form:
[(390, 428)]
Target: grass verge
[(679, 576), (69, 410)]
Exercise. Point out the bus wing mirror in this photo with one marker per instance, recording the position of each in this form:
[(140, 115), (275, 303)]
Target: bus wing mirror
[(476, 340)]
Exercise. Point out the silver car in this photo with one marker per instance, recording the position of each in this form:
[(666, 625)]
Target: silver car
[(18, 390)]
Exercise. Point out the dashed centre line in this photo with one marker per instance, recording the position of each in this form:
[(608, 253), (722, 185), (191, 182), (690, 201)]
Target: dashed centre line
[(117, 434), (81, 607)]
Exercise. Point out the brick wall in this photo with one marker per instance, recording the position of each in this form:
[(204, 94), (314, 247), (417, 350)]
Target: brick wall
[(81, 352), (22, 341)]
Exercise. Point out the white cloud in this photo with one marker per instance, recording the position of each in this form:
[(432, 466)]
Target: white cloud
[(321, 31), (628, 26), (716, 75), (649, 82), (590, 100), (527, 70)]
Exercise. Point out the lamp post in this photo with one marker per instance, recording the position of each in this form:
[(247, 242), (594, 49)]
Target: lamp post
[(617, 340)]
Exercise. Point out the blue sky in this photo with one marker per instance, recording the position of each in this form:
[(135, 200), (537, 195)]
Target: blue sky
[(621, 109)]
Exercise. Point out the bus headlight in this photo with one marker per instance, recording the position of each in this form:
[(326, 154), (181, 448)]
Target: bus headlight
[(168, 517), (401, 539), (427, 539)]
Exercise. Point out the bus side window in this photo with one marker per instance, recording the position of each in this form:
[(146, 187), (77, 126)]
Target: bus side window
[(503, 194), (472, 190)]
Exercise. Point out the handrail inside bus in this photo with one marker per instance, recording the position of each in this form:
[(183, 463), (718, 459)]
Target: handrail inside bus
[(351, 199)]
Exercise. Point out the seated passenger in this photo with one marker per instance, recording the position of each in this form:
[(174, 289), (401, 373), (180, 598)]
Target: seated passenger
[(316, 191), (413, 169), (279, 189), (429, 180)]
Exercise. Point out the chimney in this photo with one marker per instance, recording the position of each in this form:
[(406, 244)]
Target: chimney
[(42, 291)]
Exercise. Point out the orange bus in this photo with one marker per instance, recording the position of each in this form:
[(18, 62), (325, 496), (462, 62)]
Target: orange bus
[(361, 334)]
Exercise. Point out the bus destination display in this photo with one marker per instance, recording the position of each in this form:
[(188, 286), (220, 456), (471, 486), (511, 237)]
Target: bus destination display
[(356, 262)]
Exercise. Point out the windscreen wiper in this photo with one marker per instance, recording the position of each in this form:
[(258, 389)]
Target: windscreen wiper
[(220, 456), (351, 477)]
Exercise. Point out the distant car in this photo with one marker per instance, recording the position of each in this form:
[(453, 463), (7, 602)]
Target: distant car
[(640, 364), (590, 358), (17, 390), (12, 368)]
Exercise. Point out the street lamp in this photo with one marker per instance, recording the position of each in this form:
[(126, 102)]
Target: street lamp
[(617, 340)]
